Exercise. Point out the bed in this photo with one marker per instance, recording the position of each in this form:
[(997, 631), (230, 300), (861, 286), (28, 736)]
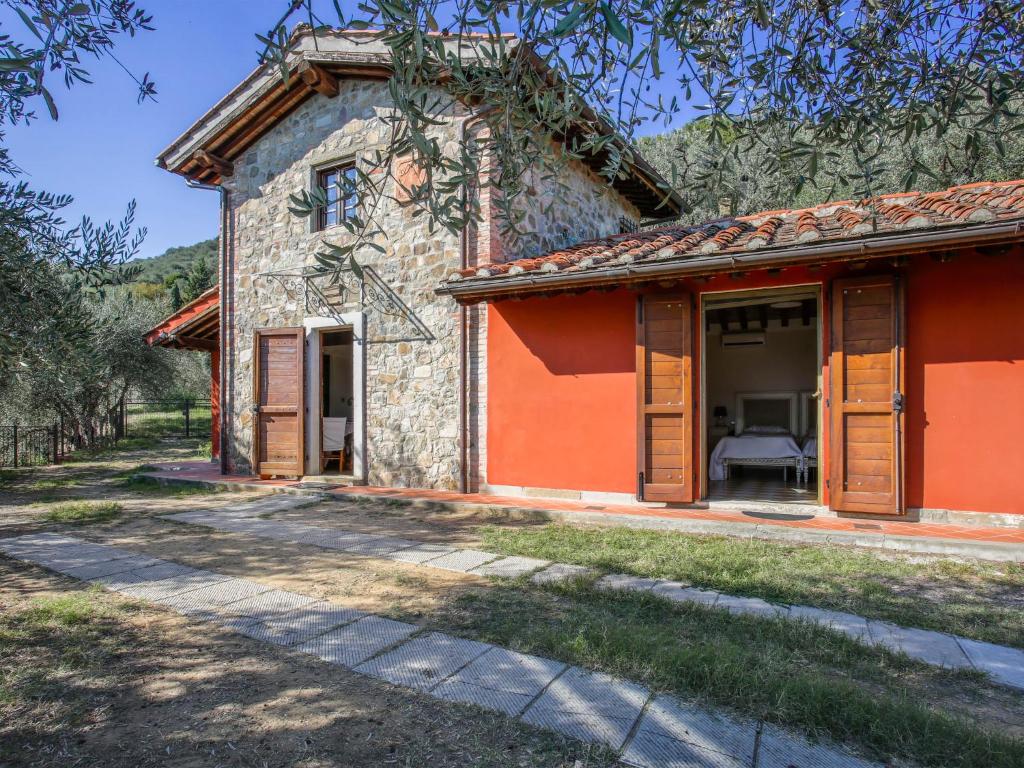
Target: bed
[(766, 423), (810, 458), (755, 449)]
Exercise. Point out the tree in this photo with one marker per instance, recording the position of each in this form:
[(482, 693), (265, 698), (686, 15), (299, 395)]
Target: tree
[(109, 360), (198, 280), (810, 85), (703, 180), (46, 267)]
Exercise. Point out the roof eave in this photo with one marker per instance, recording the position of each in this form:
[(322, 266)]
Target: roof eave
[(480, 289)]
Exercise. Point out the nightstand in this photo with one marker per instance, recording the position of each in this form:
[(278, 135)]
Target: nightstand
[(716, 433)]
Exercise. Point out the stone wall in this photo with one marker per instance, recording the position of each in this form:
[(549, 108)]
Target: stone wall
[(411, 384), (577, 205), (412, 397)]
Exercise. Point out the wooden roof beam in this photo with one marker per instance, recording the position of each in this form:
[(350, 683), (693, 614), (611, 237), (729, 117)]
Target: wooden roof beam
[(319, 79), (212, 162)]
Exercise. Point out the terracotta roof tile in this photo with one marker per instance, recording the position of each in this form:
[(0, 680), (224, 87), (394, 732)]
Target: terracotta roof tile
[(884, 215)]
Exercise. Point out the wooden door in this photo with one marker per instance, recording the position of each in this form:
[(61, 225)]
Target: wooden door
[(279, 446), (866, 397), (664, 366)]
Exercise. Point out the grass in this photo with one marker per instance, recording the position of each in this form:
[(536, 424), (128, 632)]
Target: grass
[(58, 482), (984, 601), (83, 512), (791, 673), (152, 487), (50, 640)]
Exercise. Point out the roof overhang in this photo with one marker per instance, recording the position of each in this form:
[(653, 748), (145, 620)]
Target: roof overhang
[(207, 150), (857, 249), (195, 326)]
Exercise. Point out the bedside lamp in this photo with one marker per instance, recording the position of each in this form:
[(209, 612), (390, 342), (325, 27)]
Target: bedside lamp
[(720, 412)]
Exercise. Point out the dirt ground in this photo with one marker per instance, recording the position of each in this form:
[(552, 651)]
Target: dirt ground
[(172, 691), (182, 693)]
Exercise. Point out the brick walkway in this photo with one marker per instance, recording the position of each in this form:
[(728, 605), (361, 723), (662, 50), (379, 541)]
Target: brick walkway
[(934, 538), (648, 730)]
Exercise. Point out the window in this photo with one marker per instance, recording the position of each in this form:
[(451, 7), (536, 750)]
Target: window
[(339, 187)]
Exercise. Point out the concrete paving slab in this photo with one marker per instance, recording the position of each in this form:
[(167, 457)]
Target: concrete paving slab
[(163, 570), (299, 625), (421, 553), (35, 541), (924, 645), (110, 567), (675, 734), (381, 547), (463, 560), (1003, 664), (502, 680), (175, 585), (204, 517), (72, 557), (681, 593), (424, 661), (510, 567), (265, 605), (779, 749), (589, 706), (847, 623), (626, 582), (354, 643), (341, 539), (213, 598), (750, 605), (560, 572)]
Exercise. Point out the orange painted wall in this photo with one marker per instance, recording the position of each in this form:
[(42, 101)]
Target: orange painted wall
[(965, 384), (561, 397), (562, 390)]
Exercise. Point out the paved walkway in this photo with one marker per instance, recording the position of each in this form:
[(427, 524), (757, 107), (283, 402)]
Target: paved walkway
[(1005, 544), (1005, 665), (649, 730)]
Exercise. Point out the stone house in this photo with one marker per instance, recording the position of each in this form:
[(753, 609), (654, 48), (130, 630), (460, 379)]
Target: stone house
[(377, 377), (862, 357)]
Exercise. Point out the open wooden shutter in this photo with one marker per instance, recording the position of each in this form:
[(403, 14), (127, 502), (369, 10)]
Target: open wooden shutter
[(665, 398), (278, 392), (866, 472)]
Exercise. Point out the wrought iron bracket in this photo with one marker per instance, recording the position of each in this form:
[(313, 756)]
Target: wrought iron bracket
[(312, 285)]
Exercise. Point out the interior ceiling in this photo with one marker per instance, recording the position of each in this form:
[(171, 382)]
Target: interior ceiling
[(755, 314)]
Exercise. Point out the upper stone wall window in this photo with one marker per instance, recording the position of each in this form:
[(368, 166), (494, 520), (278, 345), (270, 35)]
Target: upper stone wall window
[(338, 184)]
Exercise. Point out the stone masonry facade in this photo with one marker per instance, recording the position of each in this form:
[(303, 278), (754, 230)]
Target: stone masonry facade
[(411, 396)]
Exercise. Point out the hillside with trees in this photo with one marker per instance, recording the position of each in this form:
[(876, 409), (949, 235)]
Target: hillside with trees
[(750, 176), (179, 274)]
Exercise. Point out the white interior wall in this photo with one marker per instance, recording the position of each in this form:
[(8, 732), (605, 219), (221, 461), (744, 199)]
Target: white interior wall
[(340, 397), (786, 362)]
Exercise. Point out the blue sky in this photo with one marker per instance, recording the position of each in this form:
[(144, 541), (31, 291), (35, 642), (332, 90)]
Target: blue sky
[(102, 148)]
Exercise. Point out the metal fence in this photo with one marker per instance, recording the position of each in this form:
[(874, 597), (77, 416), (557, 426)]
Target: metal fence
[(36, 445), (29, 446), (166, 418)]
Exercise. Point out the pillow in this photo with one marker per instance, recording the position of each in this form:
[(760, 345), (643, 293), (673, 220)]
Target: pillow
[(756, 429)]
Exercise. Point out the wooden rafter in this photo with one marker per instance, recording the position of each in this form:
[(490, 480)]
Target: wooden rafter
[(319, 79), (214, 162)]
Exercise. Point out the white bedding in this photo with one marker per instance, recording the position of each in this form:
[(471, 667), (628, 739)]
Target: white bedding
[(811, 448), (750, 447)]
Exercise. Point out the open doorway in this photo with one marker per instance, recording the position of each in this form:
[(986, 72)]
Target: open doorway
[(762, 366), (336, 402)]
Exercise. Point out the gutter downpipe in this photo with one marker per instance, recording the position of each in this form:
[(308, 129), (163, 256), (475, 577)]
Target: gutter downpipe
[(223, 258)]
